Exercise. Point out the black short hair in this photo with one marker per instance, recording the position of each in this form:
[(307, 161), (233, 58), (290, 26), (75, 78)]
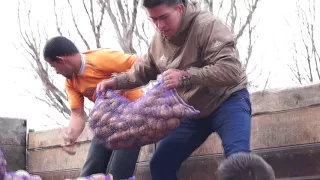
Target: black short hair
[(154, 3), (245, 166), (59, 46)]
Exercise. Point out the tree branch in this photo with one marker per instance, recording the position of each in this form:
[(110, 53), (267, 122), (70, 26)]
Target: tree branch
[(77, 28)]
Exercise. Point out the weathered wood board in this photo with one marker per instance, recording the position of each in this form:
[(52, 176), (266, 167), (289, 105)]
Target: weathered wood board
[(268, 131), (301, 126), (299, 163), (285, 99), (283, 123), (13, 142)]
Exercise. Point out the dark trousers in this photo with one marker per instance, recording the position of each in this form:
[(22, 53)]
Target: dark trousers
[(232, 122), (120, 163)]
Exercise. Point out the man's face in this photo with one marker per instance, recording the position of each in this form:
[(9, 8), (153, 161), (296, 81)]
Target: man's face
[(166, 19), (62, 66)]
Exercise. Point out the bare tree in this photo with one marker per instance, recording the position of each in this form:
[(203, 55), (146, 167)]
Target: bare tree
[(34, 36), (230, 13), (306, 57), (124, 17), (241, 24), (95, 20), (31, 43)]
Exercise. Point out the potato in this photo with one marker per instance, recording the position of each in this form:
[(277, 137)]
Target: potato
[(97, 131), (109, 95), (139, 105), (149, 101), (121, 107), (99, 102), (105, 131), (114, 119), (92, 122), (172, 123), (156, 92), (151, 133), (172, 100), (103, 107), (152, 124), (178, 111), (112, 145), (137, 120), (159, 135), (115, 137), (148, 111), (143, 130), (115, 103), (104, 120), (121, 144), (97, 115), (161, 125), (108, 144), (98, 177), (128, 117), (134, 132), (106, 116), (145, 139), (130, 142), (154, 111), (127, 110), (166, 112), (160, 101), (121, 125)]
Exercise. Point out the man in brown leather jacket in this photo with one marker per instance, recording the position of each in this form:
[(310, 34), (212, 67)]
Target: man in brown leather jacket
[(196, 54)]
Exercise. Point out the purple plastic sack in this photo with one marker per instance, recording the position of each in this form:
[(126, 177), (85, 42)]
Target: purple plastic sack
[(119, 123)]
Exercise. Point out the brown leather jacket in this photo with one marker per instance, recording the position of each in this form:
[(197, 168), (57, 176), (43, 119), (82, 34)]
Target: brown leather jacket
[(206, 49)]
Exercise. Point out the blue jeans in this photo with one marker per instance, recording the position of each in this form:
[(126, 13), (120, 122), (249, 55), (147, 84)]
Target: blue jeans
[(232, 122)]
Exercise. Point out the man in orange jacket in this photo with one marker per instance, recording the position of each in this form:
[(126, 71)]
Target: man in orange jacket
[(83, 71)]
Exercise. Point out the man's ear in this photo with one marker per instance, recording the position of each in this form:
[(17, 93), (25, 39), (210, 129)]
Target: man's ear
[(180, 8), (61, 59)]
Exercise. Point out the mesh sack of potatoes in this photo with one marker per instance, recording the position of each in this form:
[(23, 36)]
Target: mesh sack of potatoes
[(119, 123)]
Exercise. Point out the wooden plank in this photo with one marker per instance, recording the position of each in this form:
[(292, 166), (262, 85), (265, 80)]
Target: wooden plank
[(301, 126), (142, 171), (294, 161), (50, 139), (290, 162), (285, 99), (15, 157), (13, 142), (302, 178), (146, 153), (267, 131), (54, 159), (12, 131)]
